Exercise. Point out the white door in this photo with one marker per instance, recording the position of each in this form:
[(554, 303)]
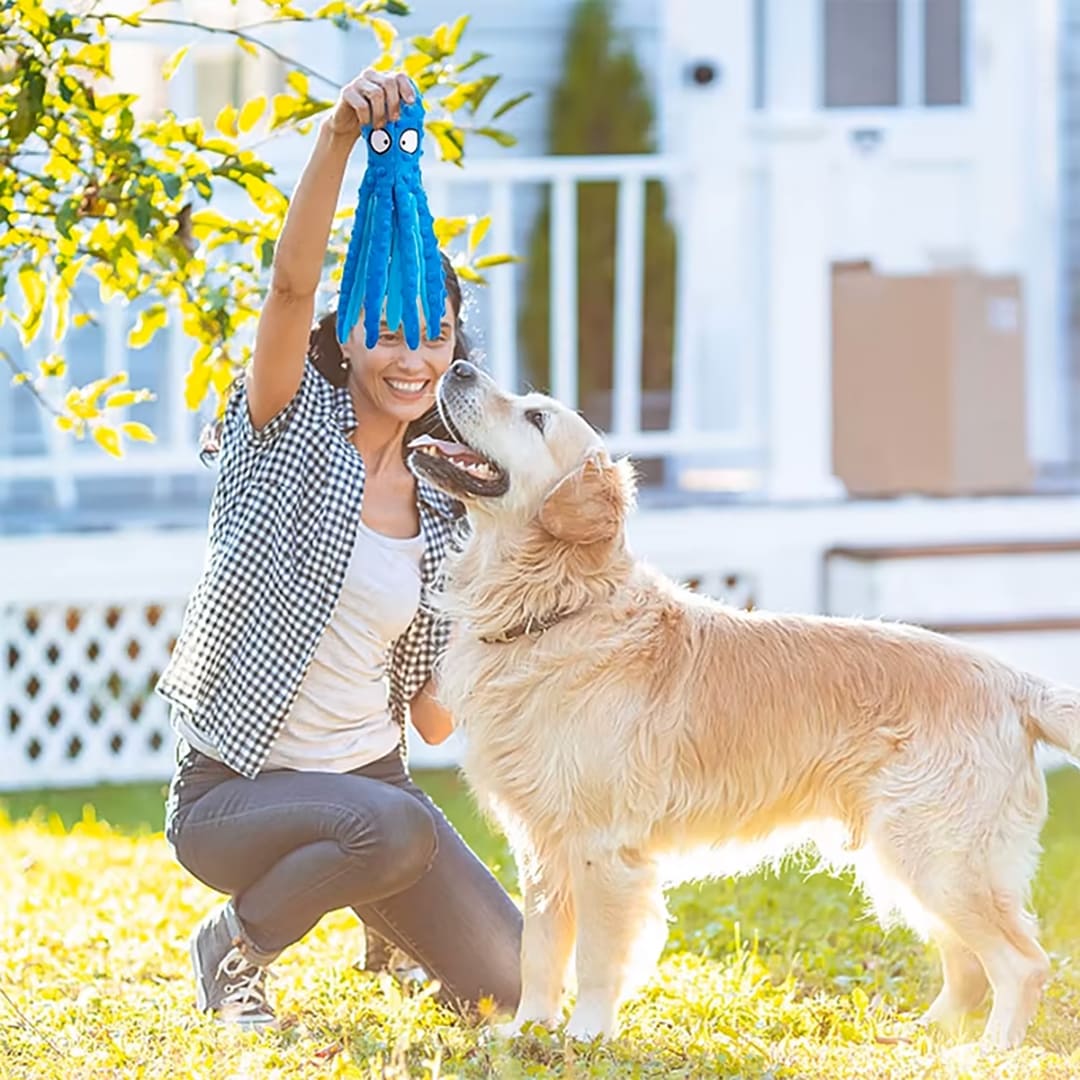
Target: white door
[(940, 119)]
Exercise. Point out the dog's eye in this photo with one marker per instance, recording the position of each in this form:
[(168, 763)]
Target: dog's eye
[(537, 418)]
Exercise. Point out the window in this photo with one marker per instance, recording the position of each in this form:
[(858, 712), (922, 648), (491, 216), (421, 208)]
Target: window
[(944, 35), (888, 53), (862, 53)]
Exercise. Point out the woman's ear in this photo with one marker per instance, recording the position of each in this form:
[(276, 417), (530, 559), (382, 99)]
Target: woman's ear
[(590, 505)]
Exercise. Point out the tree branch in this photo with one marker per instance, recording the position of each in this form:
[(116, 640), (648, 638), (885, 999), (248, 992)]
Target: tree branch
[(42, 400), (240, 35)]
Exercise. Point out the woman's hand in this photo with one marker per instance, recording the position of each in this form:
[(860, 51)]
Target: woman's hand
[(374, 98)]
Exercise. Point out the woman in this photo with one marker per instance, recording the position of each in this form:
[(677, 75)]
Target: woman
[(291, 794)]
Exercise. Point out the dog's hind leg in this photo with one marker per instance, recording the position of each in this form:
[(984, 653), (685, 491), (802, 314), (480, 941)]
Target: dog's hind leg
[(546, 944), (965, 984), (971, 877), (622, 926)]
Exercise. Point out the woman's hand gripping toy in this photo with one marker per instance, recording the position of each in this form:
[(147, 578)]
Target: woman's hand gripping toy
[(393, 254)]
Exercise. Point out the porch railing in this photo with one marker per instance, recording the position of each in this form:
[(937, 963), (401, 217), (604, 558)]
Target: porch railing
[(509, 192)]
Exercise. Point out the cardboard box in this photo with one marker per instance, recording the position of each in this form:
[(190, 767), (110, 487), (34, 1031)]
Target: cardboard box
[(928, 383)]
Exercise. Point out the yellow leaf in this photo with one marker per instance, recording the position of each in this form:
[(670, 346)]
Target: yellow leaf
[(448, 140), (248, 47), (20, 377), (222, 376), (174, 61), (82, 319), (263, 194), (500, 259), (299, 82), (33, 287), (251, 112), (65, 423), (138, 432), (53, 367), (415, 62), (121, 400), (385, 62), (149, 322), (205, 223), (449, 228), (197, 381), (108, 439), (459, 95), (479, 231), (59, 168), (457, 30), (74, 403), (92, 391), (467, 273), (226, 121), (284, 107), (384, 33)]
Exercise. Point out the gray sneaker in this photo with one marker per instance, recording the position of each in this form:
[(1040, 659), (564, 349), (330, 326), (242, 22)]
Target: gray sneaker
[(230, 975)]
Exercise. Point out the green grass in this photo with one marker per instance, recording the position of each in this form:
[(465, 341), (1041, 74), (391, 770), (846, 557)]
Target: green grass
[(766, 976)]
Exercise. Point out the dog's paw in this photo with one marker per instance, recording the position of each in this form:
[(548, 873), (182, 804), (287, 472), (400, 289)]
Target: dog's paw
[(513, 1029), (586, 1029)]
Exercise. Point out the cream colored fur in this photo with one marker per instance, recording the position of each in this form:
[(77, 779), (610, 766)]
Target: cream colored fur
[(654, 723)]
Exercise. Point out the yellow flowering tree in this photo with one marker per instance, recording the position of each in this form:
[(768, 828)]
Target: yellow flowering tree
[(92, 184)]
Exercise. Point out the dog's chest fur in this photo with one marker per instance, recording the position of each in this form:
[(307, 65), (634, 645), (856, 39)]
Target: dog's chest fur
[(527, 755)]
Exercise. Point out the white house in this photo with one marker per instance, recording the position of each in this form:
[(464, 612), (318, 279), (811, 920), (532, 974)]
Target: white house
[(793, 134)]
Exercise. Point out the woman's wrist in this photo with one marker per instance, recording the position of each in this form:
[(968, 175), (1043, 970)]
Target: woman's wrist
[(333, 138)]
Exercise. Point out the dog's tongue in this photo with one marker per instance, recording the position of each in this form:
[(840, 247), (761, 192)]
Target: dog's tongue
[(446, 448)]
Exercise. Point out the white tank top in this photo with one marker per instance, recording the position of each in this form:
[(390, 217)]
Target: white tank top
[(341, 717)]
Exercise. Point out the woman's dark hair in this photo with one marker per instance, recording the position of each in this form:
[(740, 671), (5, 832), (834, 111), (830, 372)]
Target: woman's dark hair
[(325, 354)]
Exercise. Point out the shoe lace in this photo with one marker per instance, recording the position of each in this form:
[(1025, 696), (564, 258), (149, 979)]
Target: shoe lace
[(245, 992)]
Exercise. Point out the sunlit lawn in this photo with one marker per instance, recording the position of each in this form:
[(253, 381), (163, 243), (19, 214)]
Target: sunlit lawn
[(765, 977)]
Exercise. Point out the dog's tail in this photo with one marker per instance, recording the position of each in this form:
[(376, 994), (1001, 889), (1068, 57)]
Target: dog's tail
[(1053, 715)]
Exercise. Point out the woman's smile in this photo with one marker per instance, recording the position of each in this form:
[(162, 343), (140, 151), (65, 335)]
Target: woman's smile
[(408, 389)]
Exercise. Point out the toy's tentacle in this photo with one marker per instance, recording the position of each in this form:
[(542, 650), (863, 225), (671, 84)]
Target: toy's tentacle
[(350, 303), (410, 263), (432, 280), (425, 305), (382, 222), (353, 273), (394, 298)]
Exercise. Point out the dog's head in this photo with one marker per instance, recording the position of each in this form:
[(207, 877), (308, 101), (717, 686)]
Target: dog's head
[(523, 459)]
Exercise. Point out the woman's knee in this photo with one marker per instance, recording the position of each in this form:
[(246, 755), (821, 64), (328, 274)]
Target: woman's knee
[(403, 844)]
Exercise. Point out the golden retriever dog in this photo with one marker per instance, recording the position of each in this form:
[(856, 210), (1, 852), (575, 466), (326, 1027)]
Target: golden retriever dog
[(615, 721)]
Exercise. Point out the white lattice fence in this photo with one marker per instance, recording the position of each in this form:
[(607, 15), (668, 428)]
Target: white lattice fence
[(86, 625), (80, 705)]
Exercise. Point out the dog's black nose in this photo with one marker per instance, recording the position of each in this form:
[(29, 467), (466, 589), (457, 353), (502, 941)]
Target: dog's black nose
[(463, 371)]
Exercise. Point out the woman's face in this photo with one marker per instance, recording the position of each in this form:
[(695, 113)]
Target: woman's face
[(396, 380)]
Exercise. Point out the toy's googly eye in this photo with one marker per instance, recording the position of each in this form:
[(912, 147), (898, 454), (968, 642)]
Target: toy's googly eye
[(409, 140), (379, 141)]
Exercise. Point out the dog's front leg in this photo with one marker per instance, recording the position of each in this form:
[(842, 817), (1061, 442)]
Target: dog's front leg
[(622, 926), (546, 943)]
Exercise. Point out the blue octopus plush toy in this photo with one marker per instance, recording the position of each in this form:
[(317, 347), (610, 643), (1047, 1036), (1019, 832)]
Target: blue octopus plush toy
[(393, 255)]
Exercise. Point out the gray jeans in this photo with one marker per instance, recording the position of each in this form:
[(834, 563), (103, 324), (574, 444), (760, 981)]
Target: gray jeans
[(290, 846)]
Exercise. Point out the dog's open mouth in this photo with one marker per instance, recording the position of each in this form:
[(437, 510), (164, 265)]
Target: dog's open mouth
[(457, 468)]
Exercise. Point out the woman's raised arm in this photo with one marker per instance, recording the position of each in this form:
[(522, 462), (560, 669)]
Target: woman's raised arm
[(281, 338)]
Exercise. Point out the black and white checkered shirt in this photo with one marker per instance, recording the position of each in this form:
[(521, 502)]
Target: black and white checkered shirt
[(283, 524)]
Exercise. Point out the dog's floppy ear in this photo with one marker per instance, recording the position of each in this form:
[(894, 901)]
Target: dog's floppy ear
[(589, 505)]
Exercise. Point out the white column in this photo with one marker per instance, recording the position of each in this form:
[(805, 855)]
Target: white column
[(799, 332), (705, 123), (1015, 92), (793, 56), (1049, 377)]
